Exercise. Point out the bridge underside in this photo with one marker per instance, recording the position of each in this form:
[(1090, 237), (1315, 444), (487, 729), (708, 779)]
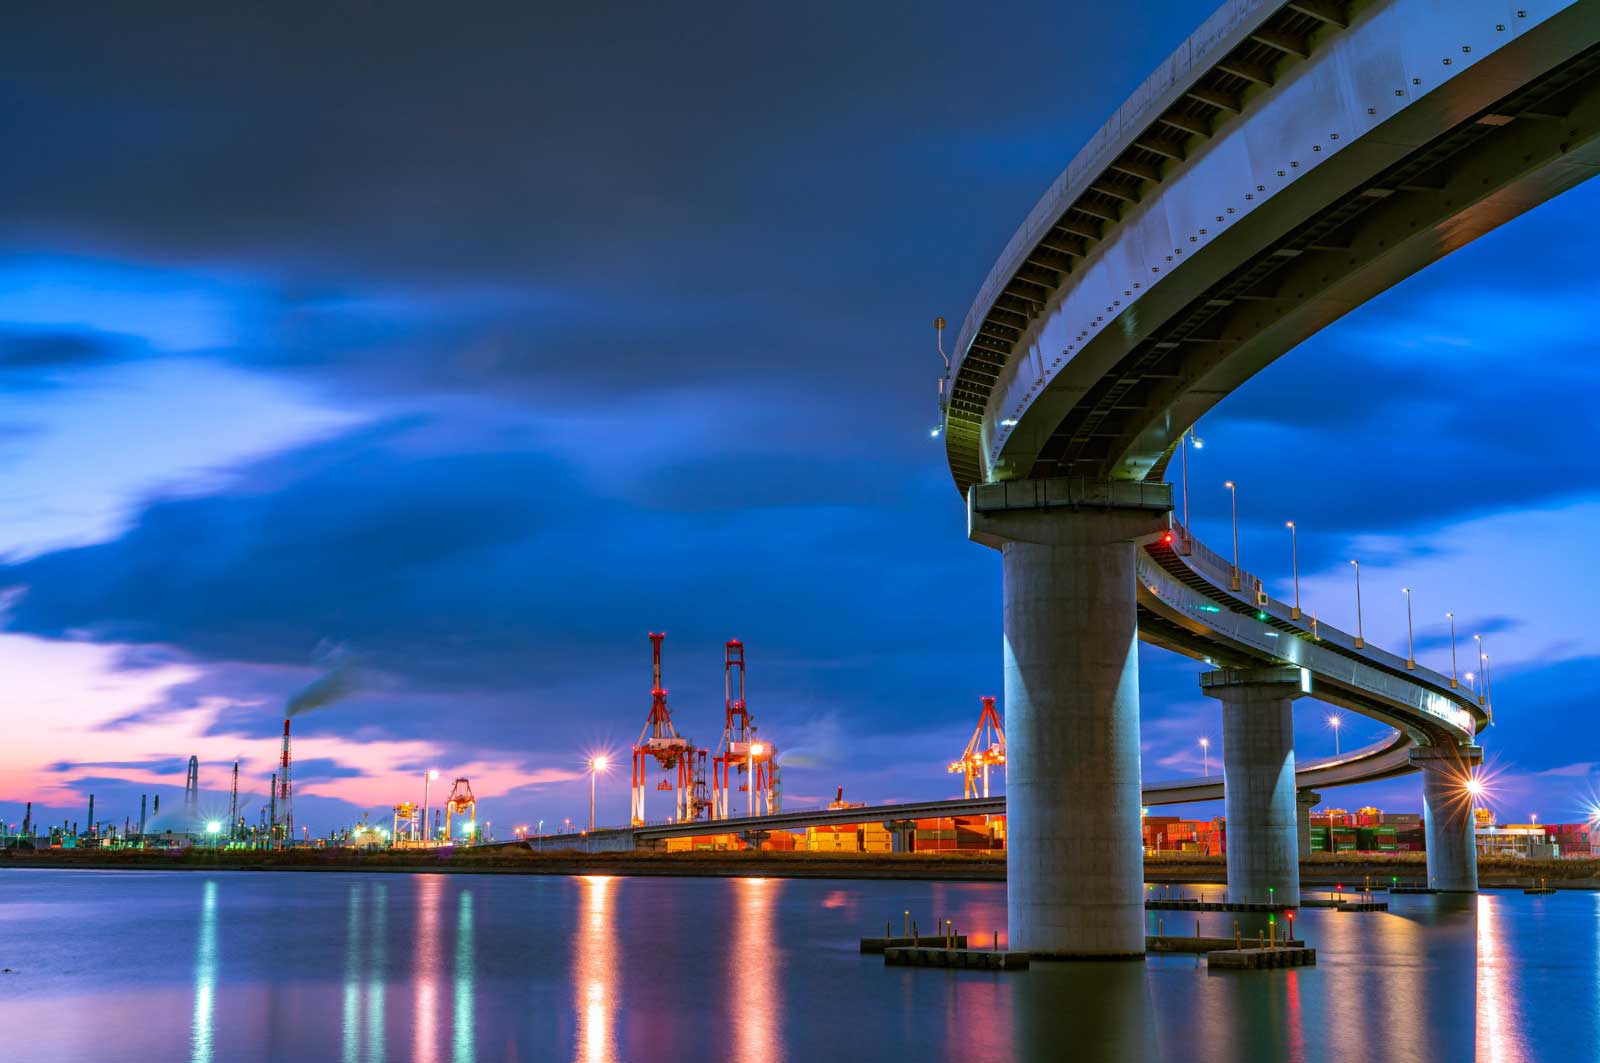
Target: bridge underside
[(1042, 392)]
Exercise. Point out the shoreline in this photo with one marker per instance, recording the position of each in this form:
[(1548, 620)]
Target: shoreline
[(1319, 872)]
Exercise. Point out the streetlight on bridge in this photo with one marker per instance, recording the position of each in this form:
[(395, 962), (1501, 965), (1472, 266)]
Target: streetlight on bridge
[(1483, 691), (1183, 454), (1294, 561), (1360, 639), (1233, 491), (1334, 722), (1453, 683), (1411, 641), (1205, 756)]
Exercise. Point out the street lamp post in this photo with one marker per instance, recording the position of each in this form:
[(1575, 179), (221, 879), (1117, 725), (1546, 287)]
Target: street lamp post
[(1334, 722), (1205, 756), (596, 766), (1411, 640), (1483, 687), (1360, 639), (1294, 561), (1183, 454), (1453, 683), (429, 776), (1488, 695), (1233, 492)]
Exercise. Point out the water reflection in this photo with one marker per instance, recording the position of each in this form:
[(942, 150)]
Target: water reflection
[(425, 1006), (375, 974), (462, 1016), (361, 1019), (349, 1021), (756, 993), (594, 964), (205, 976), (1501, 1042)]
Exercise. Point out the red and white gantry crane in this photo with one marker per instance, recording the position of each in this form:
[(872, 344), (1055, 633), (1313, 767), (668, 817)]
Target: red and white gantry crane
[(987, 746), (682, 765), (741, 751)]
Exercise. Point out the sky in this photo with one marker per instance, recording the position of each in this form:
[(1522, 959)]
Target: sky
[(461, 354)]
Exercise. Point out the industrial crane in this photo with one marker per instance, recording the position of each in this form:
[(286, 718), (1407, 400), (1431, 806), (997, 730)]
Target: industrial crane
[(683, 765), (741, 751), (461, 803), (987, 746)]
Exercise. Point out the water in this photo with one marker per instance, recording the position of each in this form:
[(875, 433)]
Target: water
[(152, 966)]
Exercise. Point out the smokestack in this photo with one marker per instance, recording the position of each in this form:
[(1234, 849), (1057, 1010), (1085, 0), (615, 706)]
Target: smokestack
[(155, 809), (272, 789), (284, 791), (143, 800), (27, 821), (91, 814)]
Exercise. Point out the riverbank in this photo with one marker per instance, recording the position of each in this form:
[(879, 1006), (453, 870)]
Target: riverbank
[(1320, 870)]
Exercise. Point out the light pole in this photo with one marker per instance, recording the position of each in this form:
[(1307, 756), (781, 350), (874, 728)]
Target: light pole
[(1183, 448), (753, 751), (596, 766), (1482, 690), (1488, 695), (429, 776), (1472, 681), (1360, 640), (1205, 756), (1411, 641), (1294, 561), (1333, 722), (1453, 683), (1233, 492)]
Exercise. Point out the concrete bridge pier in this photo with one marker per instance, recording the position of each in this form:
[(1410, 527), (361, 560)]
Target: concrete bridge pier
[(1258, 781), (1448, 829), (1074, 855), (1305, 801)]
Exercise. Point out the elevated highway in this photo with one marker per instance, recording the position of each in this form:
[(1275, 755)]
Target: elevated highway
[(1289, 161)]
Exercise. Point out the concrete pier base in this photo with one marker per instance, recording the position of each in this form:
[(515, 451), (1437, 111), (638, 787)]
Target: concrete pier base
[(1447, 817), (1074, 855), (1258, 781)]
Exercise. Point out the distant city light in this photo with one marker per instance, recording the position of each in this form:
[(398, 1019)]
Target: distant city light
[(213, 827)]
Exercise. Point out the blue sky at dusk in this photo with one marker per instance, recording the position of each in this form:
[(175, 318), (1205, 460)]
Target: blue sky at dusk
[(474, 351)]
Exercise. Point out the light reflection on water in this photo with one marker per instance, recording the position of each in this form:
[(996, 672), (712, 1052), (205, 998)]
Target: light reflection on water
[(594, 968), (753, 975), (205, 976), (462, 1011), (604, 970)]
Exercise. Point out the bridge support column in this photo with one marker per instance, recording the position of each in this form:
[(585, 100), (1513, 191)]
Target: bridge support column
[(901, 833), (1305, 801), (1448, 829), (1258, 781), (1074, 853)]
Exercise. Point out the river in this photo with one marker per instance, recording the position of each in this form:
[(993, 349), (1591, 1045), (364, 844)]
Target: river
[(160, 966)]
